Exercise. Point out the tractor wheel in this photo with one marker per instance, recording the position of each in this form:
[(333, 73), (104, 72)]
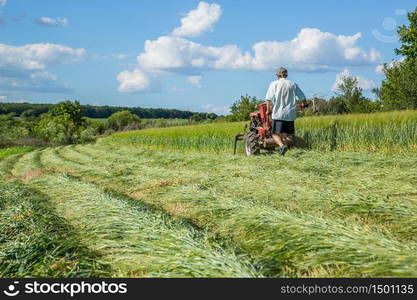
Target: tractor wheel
[(251, 144)]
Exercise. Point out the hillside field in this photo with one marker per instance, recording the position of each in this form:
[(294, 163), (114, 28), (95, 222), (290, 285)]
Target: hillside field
[(174, 202)]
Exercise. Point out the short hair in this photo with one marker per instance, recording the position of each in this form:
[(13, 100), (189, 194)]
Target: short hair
[(282, 71)]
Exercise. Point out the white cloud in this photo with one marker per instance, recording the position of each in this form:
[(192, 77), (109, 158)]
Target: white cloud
[(364, 83), (3, 3), (199, 20), (23, 68), (195, 80), (311, 50), (133, 81), (3, 98), (120, 56), (379, 69), (216, 109), (37, 56), (51, 22)]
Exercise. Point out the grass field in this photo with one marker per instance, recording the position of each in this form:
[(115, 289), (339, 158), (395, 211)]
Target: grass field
[(114, 210), (389, 132)]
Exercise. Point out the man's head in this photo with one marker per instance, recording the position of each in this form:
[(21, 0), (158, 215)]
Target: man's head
[(282, 73)]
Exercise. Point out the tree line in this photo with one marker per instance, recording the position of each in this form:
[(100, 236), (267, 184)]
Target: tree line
[(102, 112)]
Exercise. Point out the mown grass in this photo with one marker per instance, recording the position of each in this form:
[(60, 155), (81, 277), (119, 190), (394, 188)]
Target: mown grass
[(14, 150), (35, 242), (130, 237), (331, 215), (388, 132)]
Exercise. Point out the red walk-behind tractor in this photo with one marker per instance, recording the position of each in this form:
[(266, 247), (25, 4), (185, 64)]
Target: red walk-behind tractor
[(259, 135)]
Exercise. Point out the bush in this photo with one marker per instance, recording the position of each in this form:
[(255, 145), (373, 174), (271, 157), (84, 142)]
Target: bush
[(87, 135), (122, 121), (243, 107), (62, 125)]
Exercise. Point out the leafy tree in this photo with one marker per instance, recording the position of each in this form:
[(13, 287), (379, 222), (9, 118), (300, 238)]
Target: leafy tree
[(408, 37), (349, 98), (70, 110), (197, 117), (399, 89), (243, 107), (63, 124), (337, 106), (123, 120)]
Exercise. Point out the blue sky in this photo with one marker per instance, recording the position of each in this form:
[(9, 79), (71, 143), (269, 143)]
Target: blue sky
[(193, 55)]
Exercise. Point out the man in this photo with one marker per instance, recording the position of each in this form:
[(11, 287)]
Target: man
[(282, 95)]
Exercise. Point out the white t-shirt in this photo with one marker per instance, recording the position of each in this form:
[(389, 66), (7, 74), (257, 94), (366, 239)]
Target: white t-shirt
[(283, 94)]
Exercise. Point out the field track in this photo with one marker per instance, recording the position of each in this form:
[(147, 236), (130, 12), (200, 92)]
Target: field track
[(150, 213)]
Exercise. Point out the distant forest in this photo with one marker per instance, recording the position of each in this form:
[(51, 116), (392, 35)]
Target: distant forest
[(29, 109)]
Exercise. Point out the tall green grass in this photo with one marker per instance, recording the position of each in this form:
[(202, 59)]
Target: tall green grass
[(388, 132)]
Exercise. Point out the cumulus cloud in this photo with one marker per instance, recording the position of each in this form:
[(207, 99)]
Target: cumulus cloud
[(311, 50), (23, 68), (195, 80), (37, 56), (364, 83), (199, 20), (51, 22), (216, 109), (133, 81)]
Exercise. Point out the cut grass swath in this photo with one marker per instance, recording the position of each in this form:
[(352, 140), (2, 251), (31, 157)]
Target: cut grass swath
[(35, 242), (321, 244)]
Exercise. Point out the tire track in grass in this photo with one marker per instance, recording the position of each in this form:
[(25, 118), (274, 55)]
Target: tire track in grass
[(134, 239), (291, 244), (398, 219)]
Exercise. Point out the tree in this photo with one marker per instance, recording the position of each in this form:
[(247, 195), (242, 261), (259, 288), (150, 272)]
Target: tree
[(70, 110), (349, 98), (399, 89), (123, 120), (243, 107), (63, 124), (408, 37)]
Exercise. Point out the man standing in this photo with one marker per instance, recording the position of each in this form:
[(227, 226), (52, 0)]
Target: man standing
[(282, 95)]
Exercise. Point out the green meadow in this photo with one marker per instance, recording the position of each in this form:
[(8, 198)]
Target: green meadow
[(174, 202)]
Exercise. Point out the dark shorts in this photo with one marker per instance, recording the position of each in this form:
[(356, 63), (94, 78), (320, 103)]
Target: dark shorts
[(279, 126)]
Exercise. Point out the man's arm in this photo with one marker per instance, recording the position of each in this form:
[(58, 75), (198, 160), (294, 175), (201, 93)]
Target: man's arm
[(299, 93), (269, 98)]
